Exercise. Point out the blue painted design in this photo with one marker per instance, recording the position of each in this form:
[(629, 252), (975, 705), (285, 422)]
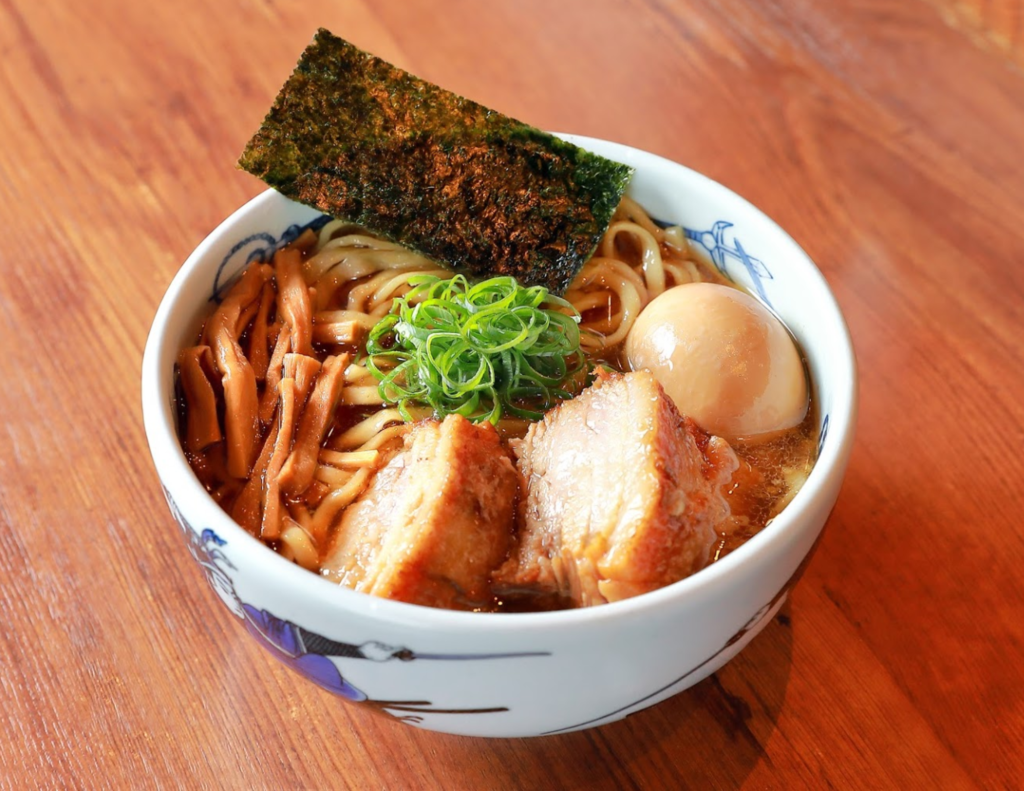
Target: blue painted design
[(258, 247), (822, 434), (725, 248), (754, 623), (205, 548), (309, 653), (284, 640)]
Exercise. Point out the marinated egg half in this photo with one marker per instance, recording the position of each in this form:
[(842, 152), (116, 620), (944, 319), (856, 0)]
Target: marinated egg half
[(723, 358)]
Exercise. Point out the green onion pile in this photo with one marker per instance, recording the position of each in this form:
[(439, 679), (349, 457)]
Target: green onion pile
[(481, 351)]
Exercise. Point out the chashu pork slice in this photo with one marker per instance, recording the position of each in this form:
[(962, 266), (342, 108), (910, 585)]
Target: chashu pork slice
[(434, 522), (622, 495)]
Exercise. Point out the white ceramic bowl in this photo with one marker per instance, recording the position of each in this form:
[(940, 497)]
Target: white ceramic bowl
[(516, 674)]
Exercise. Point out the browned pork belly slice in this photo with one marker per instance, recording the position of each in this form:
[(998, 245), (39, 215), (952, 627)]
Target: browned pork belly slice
[(622, 495), (434, 522)]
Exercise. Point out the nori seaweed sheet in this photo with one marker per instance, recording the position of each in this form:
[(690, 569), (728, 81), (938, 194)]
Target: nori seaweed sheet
[(365, 141)]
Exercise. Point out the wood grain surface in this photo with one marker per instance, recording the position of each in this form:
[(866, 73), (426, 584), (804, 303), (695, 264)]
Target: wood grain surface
[(886, 135)]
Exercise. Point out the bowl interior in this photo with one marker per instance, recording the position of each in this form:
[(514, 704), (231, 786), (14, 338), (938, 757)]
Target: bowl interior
[(739, 239)]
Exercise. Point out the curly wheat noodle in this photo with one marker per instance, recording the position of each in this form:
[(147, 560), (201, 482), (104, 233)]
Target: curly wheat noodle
[(397, 286), (359, 298), (607, 276), (297, 545), (650, 253), (629, 210), (328, 290)]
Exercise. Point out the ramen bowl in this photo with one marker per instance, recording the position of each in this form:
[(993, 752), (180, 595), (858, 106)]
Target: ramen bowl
[(515, 674)]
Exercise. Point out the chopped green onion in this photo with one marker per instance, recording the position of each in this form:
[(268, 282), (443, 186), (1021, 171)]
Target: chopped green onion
[(481, 350)]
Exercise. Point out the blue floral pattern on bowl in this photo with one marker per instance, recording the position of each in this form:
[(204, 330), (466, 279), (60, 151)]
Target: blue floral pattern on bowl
[(310, 654), (725, 249), (258, 247)]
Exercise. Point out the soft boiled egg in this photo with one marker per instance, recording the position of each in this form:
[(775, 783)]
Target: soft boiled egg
[(723, 358)]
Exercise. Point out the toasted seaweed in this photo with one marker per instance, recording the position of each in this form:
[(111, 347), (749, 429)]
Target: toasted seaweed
[(365, 141)]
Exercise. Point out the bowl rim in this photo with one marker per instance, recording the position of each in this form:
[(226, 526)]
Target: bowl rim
[(179, 481)]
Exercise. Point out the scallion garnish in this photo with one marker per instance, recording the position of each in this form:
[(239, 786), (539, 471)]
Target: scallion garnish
[(479, 350)]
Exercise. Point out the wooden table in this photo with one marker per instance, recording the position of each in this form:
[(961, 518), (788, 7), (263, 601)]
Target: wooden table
[(886, 136)]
